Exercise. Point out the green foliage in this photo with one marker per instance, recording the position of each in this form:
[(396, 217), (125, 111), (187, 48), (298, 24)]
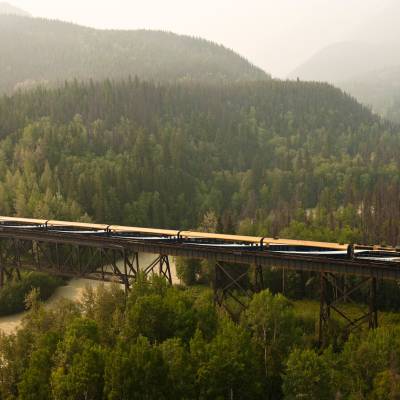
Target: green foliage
[(307, 377), (265, 158), (366, 358), (159, 314), (386, 386), (181, 370), (35, 381), (105, 306), (226, 366), (187, 270), (13, 294), (272, 322), (79, 363), (136, 371), (170, 343)]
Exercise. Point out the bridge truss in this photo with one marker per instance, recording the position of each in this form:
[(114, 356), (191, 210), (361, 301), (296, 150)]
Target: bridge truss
[(107, 253)]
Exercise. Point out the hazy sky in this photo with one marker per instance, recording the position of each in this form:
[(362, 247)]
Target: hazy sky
[(277, 35)]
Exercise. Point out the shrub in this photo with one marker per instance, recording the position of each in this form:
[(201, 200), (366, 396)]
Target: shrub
[(12, 295)]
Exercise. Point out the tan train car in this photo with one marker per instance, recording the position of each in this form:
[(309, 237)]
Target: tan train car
[(257, 240)]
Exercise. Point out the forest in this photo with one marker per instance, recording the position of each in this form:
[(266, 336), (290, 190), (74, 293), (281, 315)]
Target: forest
[(288, 159), (165, 342), (273, 158)]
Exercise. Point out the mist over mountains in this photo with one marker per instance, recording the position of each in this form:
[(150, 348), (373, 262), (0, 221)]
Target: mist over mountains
[(368, 66), (38, 51), (348, 61), (8, 9)]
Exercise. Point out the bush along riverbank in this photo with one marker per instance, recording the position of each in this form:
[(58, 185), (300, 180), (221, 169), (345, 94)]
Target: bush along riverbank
[(13, 294)]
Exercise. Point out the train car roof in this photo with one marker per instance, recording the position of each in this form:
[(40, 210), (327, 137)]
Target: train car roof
[(77, 225), (54, 223), (183, 234), (24, 220), (307, 243), (135, 229), (218, 236), (266, 241)]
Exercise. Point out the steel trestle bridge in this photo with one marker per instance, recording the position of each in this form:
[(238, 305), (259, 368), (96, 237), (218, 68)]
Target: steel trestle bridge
[(111, 252)]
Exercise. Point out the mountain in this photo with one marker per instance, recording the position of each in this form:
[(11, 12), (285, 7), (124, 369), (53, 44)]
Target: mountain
[(266, 157), (348, 61), (8, 9), (367, 66), (379, 89), (41, 51)]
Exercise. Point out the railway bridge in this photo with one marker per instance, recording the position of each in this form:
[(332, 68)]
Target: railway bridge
[(111, 252)]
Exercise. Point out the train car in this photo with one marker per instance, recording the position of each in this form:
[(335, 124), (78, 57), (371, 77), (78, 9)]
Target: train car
[(204, 238)]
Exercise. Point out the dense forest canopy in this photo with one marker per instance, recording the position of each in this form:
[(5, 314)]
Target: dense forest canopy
[(290, 158), (38, 51), (166, 343), (154, 129)]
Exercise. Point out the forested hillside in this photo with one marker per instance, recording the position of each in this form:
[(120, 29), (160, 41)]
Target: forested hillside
[(8, 9), (290, 158), (37, 51)]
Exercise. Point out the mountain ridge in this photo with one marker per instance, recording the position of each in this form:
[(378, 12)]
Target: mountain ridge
[(343, 61), (59, 51), (9, 9), (367, 66)]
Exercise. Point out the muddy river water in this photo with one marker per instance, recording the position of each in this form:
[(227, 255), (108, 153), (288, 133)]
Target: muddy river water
[(73, 291)]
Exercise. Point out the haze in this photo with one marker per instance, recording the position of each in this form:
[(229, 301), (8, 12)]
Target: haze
[(275, 35)]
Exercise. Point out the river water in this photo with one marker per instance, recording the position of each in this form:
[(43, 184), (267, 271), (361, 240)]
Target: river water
[(73, 291)]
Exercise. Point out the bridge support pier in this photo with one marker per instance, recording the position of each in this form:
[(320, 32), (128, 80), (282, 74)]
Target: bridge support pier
[(131, 266), (74, 259), (10, 255), (334, 292), (258, 279), (232, 289), (162, 265)]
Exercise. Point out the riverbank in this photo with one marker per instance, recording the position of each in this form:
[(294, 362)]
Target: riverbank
[(72, 291)]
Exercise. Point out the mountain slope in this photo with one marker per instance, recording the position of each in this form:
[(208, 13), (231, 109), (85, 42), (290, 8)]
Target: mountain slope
[(348, 61), (37, 50), (367, 67), (8, 9), (260, 155)]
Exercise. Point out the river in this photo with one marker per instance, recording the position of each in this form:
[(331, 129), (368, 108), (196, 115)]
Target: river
[(73, 291)]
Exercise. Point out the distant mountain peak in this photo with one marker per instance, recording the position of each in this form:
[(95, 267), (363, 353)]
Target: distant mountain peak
[(9, 9)]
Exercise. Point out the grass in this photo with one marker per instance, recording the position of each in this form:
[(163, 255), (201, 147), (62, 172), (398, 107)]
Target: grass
[(309, 310)]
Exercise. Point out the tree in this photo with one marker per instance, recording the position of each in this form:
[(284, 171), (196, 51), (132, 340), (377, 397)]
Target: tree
[(79, 366), (271, 320), (187, 270), (386, 386), (307, 377), (35, 382), (181, 374), (226, 365), (136, 371)]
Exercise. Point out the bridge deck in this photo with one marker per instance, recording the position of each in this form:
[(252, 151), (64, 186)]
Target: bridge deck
[(372, 261)]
